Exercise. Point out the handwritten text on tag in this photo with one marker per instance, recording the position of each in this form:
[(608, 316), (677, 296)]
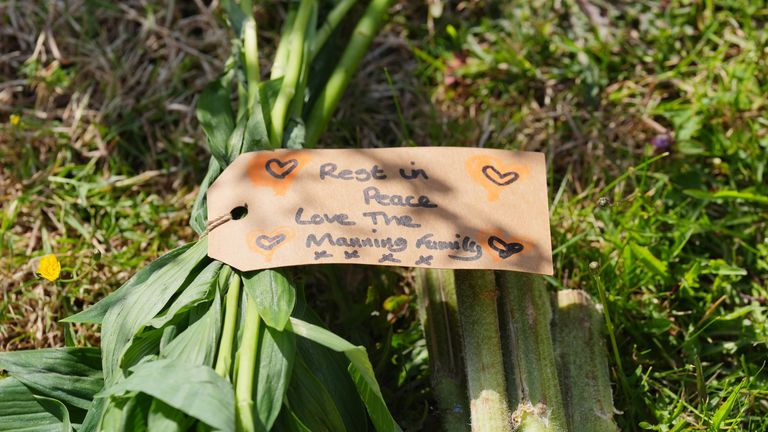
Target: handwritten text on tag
[(440, 207)]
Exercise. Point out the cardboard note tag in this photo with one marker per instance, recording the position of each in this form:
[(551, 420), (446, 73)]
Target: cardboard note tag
[(440, 207)]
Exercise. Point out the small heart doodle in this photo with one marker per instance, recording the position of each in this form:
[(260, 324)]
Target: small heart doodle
[(279, 169), (499, 178), (266, 243), (269, 242), (504, 249)]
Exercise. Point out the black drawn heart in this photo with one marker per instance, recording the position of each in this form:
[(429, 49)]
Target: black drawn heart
[(279, 169), (501, 179), (268, 243), (504, 249)]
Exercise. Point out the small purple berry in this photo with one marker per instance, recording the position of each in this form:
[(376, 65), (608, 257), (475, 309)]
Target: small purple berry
[(662, 143)]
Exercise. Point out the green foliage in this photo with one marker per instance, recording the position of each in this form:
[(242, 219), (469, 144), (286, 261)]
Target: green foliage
[(62, 381), (22, 409), (163, 330), (273, 294), (676, 243), (193, 389), (123, 322), (106, 177), (360, 369), (276, 362)]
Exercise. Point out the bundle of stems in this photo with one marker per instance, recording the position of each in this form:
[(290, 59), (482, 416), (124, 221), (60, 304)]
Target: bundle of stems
[(190, 343), (530, 362)]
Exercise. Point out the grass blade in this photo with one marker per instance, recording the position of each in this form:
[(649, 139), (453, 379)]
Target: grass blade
[(650, 262), (725, 408)]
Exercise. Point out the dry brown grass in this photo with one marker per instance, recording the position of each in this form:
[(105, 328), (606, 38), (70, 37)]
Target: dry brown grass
[(91, 83), (107, 95)]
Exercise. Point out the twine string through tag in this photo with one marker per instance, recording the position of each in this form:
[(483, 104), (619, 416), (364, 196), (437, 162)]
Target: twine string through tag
[(236, 213)]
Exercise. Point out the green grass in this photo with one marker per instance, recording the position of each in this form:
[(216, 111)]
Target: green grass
[(678, 244)]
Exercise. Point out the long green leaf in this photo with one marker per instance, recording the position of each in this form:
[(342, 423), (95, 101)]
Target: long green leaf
[(360, 369), (146, 343), (201, 289), (199, 218), (277, 351), (331, 369), (21, 411), (197, 344), (214, 112), (95, 314), (57, 409), (143, 303), (273, 294), (311, 402), (71, 375), (249, 134), (193, 389), (289, 422), (165, 418), (126, 414), (93, 417)]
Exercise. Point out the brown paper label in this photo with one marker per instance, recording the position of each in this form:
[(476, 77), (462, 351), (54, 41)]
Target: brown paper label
[(440, 207)]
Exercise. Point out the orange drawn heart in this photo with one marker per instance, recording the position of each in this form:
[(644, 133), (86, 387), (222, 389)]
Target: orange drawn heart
[(277, 169), (494, 174), (266, 243)]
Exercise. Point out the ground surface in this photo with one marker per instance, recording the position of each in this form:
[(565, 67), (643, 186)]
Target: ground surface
[(101, 155)]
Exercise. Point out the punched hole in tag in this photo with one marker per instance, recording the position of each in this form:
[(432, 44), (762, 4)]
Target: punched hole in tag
[(239, 212)]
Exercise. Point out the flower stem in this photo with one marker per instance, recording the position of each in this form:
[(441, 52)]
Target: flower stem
[(331, 22), (246, 366), (292, 72), (583, 363), (531, 365), (224, 357), (297, 104), (281, 55), (361, 39), (251, 51), (438, 312), (476, 295)]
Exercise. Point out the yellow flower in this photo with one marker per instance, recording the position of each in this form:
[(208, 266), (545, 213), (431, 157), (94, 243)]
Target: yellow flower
[(49, 267), (15, 119)]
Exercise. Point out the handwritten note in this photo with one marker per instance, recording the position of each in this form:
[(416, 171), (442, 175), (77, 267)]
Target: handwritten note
[(440, 207)]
